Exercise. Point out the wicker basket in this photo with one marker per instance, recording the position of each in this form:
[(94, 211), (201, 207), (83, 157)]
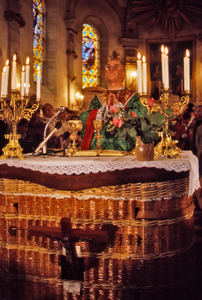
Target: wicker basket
[(151, 245)]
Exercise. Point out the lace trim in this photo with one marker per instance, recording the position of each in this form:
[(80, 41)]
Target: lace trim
[(87, 165)]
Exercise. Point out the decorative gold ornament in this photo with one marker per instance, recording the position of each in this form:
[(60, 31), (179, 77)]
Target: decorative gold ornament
[(73, 126), (14, 109), (98, 127)]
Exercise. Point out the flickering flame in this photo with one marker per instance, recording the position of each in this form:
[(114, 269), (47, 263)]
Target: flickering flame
[(4, 69), (187, 53), (143, 59), (38, 68), (14, 57), (23, 68), (7, 62), (27, 61), (138, 55), (166, 50), (162, 49)]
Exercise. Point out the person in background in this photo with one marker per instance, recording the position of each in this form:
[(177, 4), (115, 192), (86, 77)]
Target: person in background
[(3, 131), (35, 131), (117, 96), (64, 117), (198, 122), (22, 129)]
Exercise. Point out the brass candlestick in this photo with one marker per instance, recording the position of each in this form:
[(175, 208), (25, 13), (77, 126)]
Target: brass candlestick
[(98, 127), (74, 126), (14, 109), (167, 146)]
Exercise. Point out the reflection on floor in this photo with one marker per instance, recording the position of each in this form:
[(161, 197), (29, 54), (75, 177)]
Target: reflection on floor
[(191, 289)]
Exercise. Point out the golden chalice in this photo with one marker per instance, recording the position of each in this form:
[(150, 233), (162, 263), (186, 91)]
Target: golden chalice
[(98, 127), (74, 126)]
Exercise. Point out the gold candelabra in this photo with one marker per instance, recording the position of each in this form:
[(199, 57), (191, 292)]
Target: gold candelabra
[(13, 109), (167, 146)]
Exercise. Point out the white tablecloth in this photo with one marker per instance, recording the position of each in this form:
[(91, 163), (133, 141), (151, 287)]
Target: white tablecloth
[(86, 165)]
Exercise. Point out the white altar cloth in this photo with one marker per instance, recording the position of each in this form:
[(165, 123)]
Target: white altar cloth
[(86, 165)]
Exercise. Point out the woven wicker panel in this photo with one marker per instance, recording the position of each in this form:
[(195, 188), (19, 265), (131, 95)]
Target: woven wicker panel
[(151, 252)]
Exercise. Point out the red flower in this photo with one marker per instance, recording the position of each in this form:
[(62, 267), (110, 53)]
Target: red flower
[(114, 109), (133, 115), (117, 122), (151, 102)]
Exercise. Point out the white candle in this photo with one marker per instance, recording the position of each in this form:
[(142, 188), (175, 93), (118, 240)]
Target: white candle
[(13, 77), (144, 74), (166, 70), (38, 90), (139, 73), (27, 71), (23, 81), (6, 77), (187, 71), (3, 82), (163, 63)]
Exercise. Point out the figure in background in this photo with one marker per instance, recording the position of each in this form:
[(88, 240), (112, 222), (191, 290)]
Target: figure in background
[(117, 96), (198, 144), (3, 131), (189, 119), (48, 113), (64, 117), (35, 131), (180, 132), (22, 129), (198, 122)]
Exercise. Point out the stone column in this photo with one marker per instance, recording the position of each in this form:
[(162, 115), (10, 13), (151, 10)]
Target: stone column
[(15, 21), (71, 54)]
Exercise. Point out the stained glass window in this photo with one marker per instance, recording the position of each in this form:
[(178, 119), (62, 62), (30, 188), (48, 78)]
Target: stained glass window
[(38, 36), (90, 57)]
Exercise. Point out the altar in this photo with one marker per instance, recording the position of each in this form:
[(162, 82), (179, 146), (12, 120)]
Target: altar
[(145, 207)]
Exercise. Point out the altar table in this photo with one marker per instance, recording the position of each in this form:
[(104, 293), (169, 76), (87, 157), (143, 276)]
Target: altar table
[(148, 205)]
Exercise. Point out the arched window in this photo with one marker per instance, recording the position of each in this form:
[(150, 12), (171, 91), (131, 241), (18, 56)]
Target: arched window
[(38, 36), (90, 57)]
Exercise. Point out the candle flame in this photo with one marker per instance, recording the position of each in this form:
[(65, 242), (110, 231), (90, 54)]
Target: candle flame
[(144, 59), (162, 49), (187, 53), (166, 50), (138, 55), (27, 61), (14, 57), (4, 69), (7, 62), (38, 68), (23, 68)]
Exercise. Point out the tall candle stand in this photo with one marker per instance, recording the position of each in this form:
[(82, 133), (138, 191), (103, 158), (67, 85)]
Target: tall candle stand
[(13, 108), (167, 146)]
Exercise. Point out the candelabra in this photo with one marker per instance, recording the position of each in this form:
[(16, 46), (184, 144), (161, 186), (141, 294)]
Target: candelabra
[(167, 146), (13, 108)]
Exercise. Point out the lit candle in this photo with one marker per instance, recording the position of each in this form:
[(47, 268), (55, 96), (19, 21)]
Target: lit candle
[(139, 73), (166, 82), (6, 77), (27, 70), (163, 63), (187, 71), (3, 82), (13, 77), (23, 81), (144, 74), (38, 89)]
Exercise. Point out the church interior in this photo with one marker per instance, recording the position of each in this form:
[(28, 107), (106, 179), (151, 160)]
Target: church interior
[(129, 229)]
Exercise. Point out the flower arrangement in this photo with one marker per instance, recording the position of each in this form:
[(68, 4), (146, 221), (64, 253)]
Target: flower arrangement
[(124, 122)]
